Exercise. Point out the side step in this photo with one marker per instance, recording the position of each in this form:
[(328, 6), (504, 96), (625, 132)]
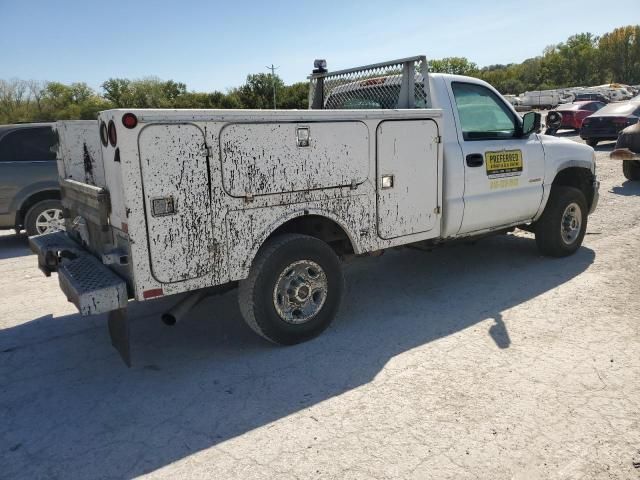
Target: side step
[(91, 286)]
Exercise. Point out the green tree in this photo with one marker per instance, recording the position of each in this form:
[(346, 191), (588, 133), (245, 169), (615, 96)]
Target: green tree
[(257, 91), (453, 65), (620, 54)]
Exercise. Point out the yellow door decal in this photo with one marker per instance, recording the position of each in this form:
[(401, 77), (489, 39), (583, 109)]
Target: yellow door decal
[(505, 163)]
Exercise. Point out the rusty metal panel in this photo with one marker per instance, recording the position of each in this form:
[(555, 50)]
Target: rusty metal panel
[(407, 180), (175, 179), (79, 152), (270, 158)]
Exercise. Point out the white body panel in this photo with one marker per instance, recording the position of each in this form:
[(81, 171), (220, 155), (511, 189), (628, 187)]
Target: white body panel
[(79, 151), (180, 245), (264, 158), (408, 154)]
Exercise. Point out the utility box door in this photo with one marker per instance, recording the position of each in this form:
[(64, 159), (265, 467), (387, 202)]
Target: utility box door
[(173, 162), (407, 182), (269, 158)]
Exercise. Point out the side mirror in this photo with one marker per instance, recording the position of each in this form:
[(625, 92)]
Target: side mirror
[(531, 122)]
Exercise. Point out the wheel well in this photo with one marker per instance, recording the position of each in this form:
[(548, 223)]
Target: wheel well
[(577, 177), (320, 227), (32, 200)]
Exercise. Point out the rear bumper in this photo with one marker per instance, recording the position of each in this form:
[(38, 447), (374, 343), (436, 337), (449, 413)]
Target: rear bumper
[(91, 286)]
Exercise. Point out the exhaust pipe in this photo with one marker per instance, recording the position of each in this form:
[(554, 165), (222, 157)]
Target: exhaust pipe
[(182, 308)]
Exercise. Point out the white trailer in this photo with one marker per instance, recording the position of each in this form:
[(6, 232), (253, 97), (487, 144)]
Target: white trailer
[(270, 201)]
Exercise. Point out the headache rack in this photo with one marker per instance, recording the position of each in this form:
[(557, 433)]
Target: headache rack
[(401, 83)]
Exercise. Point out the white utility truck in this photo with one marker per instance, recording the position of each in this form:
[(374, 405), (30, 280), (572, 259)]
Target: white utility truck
[(205, 200)]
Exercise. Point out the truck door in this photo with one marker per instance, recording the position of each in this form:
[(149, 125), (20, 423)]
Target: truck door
[(407, 177), (503, 172), (173, 161)]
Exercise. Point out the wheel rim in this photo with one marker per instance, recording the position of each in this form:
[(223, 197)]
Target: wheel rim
[(300, 292), (571, 223), (49, 221)]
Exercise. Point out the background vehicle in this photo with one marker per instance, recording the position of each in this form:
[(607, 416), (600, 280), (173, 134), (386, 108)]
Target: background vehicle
[(606, 123), (594, 97), (543, 99), (270, 201), (628, 150), (570, 116), (29, 190)]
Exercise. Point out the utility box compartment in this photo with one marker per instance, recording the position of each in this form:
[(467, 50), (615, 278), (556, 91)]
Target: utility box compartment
[(407, 160), (175, 179), (271, 158)]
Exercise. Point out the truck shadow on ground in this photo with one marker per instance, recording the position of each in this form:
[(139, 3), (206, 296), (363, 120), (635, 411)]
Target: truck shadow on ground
[(71, 409), (12, 246)]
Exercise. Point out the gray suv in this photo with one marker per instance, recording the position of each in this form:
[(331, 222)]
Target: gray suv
[(29, 188)]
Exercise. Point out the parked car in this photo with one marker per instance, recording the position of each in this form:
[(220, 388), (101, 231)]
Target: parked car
[(608, 122), (29, 188), (570, 116), (593, 97), (543, 100), (628, 150)]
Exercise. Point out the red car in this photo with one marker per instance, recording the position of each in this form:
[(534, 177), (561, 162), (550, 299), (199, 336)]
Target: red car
[(570, 115)]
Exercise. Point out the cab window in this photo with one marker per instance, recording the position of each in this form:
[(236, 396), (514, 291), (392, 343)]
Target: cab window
[(482, 114)]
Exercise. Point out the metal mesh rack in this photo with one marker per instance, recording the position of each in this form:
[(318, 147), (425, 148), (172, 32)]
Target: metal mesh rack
[(394, 84)]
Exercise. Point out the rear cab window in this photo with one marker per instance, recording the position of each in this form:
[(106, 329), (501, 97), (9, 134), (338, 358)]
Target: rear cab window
[(482, 114), (29, 144)]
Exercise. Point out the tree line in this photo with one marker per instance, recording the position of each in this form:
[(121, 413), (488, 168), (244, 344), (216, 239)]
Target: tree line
[(583, 59)]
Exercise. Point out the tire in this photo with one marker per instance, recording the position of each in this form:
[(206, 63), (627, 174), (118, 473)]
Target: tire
[(631, 169), (565, 204), (50, 210), (262, 296), (592, 142)]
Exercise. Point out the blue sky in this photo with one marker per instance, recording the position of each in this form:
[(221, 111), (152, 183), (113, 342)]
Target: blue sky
[(213, 44)]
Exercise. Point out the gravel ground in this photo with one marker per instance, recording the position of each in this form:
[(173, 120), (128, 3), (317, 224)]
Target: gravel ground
[(473, 361)]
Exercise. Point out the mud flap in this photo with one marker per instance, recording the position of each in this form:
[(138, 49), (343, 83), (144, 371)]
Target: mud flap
[(119, 332)]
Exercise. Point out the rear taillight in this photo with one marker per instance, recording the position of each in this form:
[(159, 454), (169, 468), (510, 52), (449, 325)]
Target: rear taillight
[(103, 134), (113, 136), (129, 120)]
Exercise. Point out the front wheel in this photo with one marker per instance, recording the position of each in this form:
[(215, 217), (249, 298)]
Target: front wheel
[(293, 290), (631, 169), (561, 228)]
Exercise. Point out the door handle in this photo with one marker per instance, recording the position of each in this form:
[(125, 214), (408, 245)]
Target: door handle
[(475, 160)]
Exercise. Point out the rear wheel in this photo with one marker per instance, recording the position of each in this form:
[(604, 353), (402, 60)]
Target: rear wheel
[(631, 169), (561, 228), (293, 290), (592, 142), (44, 217)]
